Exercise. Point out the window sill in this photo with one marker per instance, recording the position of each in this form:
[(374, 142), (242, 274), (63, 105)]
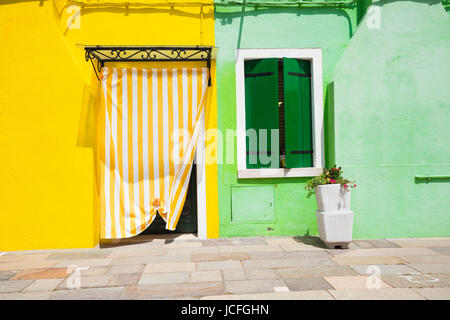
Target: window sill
[(279, 173)]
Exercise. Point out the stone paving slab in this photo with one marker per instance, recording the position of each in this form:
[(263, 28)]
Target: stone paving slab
[(307, 284), (22, 265), (234, 274), (249, 248), (422, 243), (363, 244), (30, 257), (289, 254), (14, 285), (434, 293), (183, 298), (49, 273), (218, 265), (440, 250), (192, 251), (169, 291), (249, 241), (285, 263), (94, 271), (375, 243), (439, 259), (202, 276), (35, 295), (86, 282), (309, 240), (417, 280), (300, 247), (338, 252), (83, 263), (281, 240), (126, 261), (43, 285), (296, 273), (6, 275), (216, 242), (354, 282), (388, 252), (120, 280), (384, 269), (261, 274), (296, 295), (126, 269), (79, 255), (383, 243), (112, 293), (351, 246), (170, 267), (252, 286), (376, 294), (138, 252), (149, 259), (224, 297), (432, 268), (169, 258), (220, 257), (162, 278), (372, 260)]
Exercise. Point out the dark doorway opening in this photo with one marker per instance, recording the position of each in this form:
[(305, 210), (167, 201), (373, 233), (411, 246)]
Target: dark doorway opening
[(188, 218)]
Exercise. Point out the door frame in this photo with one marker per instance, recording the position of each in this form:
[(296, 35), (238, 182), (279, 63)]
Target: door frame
[(199, 159)]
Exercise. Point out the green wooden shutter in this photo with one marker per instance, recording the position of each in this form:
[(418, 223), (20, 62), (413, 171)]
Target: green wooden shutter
[(261, 105), (297, 113)]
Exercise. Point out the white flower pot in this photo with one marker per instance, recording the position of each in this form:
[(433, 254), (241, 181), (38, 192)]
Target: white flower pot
[(335, 228), (332, 197)]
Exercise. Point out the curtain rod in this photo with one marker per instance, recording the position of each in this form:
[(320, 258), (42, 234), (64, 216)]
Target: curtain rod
[(215, 3), (283, 3), (104, 54)]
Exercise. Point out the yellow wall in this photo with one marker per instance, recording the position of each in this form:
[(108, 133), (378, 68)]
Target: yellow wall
[(48, 104)]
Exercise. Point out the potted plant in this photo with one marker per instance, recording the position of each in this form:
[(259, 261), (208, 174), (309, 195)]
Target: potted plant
[(334, 216)]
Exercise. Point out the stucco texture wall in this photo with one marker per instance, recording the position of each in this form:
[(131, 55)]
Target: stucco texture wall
[(328, 28), (48, 104), (391, 119)]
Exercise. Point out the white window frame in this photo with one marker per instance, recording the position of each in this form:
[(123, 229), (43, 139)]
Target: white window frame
[(315, 56)]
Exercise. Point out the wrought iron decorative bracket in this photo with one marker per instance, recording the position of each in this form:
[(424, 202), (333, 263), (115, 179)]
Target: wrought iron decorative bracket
[(98, 55)]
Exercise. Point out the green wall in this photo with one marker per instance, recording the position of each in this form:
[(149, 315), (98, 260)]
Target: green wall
[(386, 113), (238, 27), (392, 120)]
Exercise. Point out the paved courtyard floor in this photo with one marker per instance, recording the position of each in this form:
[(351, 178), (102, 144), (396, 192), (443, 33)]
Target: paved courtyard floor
[(184, 267)]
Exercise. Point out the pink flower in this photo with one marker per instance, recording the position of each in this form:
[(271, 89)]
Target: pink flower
[(345, 186), (333, 181), (354, 185)]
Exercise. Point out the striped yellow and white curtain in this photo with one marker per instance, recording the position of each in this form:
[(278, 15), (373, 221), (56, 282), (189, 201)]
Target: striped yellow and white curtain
[(148, 130)]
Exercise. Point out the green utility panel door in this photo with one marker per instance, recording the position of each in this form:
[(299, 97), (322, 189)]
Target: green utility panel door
[(252, 204), (297, 113), (261, 107)]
